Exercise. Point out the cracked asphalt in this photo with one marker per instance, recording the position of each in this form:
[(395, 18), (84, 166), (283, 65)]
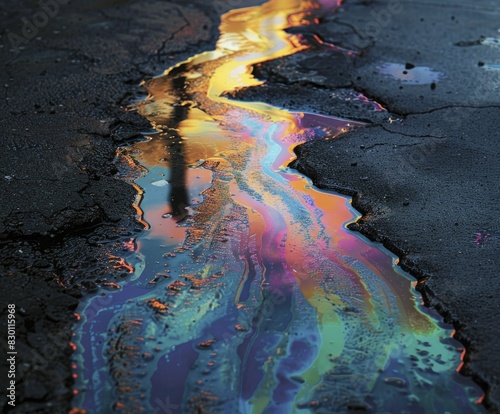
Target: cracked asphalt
[(64, 213), (427, 182)]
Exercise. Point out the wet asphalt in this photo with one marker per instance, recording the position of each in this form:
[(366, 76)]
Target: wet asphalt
[(427, 180)]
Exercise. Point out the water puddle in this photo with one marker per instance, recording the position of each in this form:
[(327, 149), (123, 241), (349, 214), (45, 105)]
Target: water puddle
[(410, 74), (249, 295)]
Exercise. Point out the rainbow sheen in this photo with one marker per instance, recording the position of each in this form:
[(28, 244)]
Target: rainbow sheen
[(249, 293)]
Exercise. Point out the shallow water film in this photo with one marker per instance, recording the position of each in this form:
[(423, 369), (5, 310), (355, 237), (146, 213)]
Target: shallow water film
[(248, 294)]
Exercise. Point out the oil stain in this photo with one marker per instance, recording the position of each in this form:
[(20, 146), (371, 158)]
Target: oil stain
[(249, 293)]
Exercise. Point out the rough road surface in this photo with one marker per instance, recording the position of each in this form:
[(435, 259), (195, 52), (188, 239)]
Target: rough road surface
[(68, 71), (428, 182)]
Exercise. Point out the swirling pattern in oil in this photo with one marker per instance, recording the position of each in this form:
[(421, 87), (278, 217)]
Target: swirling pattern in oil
[(250, 295)]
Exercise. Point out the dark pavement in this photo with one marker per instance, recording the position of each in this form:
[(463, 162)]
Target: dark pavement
[(428, 182), (68, 71)]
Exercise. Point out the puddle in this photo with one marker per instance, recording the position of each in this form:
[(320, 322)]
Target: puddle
[(249, 294), (411, 75)]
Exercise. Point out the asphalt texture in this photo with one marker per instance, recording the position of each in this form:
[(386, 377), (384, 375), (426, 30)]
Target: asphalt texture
[(66, 81), (427, 182)]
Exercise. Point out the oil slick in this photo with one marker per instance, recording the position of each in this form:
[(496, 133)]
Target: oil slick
[(249, 293)]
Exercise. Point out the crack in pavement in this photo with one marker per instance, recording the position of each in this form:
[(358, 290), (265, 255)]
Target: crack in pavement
[(174, 33), (449, 107), (384, 127)]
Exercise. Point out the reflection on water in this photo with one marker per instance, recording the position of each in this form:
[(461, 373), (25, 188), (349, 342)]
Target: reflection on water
[(410, 74), (249, 295)]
